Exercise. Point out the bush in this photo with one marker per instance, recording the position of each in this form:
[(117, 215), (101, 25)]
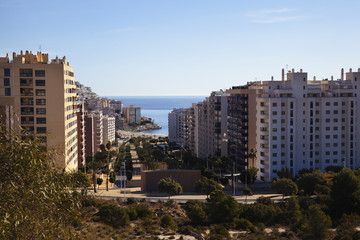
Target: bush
[(219, 232), (131, 200), (264, 200), (186, 229), (132, 213), (195, 212), (167, 221), (244, 224), (113, 215), (143, 211)]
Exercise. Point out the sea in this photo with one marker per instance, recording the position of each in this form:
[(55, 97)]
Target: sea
[(158, 107)]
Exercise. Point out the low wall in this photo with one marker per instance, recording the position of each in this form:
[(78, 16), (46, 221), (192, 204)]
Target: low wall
[(186, 178)]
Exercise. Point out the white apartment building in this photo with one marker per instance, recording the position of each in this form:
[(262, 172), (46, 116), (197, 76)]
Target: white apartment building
[(108, 129), (302, 123), (175, 126), (98, 128)]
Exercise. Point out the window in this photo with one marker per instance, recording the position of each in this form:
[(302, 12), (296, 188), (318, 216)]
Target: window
[(274, 121), (274, 113), (327, 120), (7, 91), (274, 146), (274, 129), (274, 154), (40, 120), (327, 112), (274, 138), (317, 104), (26, 72), (41, 129), (40, 82), (274, 104), (41, 111), (283, 104), (262, 104), (7, 72), (327, 103), (40, 92), (40, 101), (6, 81), (335, 103), (39, 73), (274, 163)]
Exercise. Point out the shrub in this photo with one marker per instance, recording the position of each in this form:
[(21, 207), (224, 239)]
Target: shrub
[(244, 224), (186, 229), (113, 215), (219, 232), (167, 221), (131, 200), (132, 213), (143, 211)]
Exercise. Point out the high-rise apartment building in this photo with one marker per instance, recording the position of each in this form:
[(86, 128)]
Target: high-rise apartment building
[(305, 123), (132, 114), (175, 126), (211, 126), (40, 97), (242, 124), (109, 129)]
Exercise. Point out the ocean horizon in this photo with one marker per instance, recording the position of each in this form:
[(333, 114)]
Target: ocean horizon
[(158, 107)]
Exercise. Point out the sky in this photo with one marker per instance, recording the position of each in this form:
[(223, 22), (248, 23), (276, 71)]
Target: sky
[(185, 47)]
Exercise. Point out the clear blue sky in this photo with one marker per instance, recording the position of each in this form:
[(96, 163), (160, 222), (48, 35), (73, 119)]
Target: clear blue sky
[(185, 47)]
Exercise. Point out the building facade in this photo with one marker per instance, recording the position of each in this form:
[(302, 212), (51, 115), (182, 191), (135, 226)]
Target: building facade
[(132, 114), (109, 129), (40, 97), (304, 123)]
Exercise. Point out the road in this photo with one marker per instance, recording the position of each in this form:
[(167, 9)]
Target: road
[(115, 192)]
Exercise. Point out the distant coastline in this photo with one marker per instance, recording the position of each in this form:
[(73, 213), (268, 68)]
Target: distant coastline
[(158, 107)]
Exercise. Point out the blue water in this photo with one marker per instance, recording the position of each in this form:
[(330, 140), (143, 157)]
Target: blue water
[(158, 108)]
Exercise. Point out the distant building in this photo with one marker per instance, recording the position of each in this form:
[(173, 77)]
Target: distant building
[(132, 114), (109, 129), (90, 134), (40, 97), (81, 135)]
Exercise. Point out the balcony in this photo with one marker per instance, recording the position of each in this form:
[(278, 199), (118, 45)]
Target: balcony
[(27, 102), (26, 92)]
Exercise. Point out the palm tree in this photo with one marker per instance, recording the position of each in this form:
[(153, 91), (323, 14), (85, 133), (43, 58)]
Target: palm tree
[(252, 154)]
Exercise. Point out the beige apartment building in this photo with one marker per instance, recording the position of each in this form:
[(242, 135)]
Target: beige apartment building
[(39, 96), (132, 114)]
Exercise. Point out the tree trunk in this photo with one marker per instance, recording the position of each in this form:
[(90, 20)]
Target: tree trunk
[(94, 179)]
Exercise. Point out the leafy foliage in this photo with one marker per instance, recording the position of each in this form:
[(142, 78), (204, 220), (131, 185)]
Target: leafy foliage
[(35, 201), (308, 182), (221, 208), (113, 215), (169, 186), (206, 186), (249, 174), (167, 221), (284, 186)]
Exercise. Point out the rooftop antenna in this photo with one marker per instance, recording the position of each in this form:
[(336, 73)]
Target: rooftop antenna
[(40, 47), (287, 66)]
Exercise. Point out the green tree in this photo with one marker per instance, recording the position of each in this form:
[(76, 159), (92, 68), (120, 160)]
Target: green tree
[(252, 154), (249, 176), (170, 186), (221, 208), (344, 192), (284, 186), (247, 192), (308, 181), (284, 173), (317, 224), (167, 221), (206, 186), (195, 211), (99, 181), (35, 201)]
